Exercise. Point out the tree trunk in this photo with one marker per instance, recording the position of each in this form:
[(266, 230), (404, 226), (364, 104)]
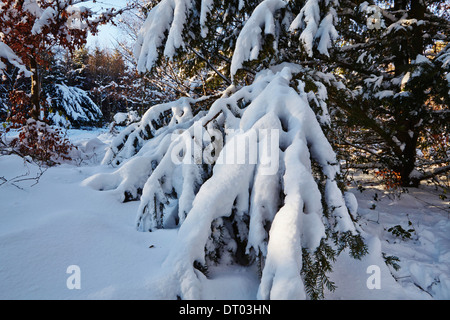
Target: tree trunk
[(408, 160), (407, 51), (417, 12), (400, 59), (35, 89)]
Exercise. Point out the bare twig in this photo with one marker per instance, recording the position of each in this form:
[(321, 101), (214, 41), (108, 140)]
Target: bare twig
[(198, 54), (7, 150), (432, 173)]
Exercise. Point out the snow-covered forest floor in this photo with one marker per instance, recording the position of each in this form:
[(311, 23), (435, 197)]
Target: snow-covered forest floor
[(60, 222)]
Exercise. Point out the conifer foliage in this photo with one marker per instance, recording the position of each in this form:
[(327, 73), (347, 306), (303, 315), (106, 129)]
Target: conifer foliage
[(246, 173), (395, 60)]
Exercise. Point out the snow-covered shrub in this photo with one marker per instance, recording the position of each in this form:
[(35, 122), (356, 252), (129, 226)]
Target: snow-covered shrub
[(126, 118), (250, 179), (72, 105), (9, 55)]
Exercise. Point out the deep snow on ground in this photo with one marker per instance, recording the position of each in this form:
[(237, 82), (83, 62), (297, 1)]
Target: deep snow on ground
[(60, 222), (423, 245)]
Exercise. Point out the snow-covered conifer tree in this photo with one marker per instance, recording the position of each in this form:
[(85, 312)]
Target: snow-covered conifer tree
[(72, 106), (394, 57), (247, 173)]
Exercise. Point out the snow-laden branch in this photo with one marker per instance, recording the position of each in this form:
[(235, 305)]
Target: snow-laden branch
[(431, 173), (315, 25), (7, 53), (167, 16), (249, 42), (164, 29)]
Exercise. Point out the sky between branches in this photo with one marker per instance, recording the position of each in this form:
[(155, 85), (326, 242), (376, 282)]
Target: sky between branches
[(106, 38)]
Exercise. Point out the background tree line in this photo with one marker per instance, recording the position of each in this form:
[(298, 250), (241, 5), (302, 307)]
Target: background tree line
[(103, 74)]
